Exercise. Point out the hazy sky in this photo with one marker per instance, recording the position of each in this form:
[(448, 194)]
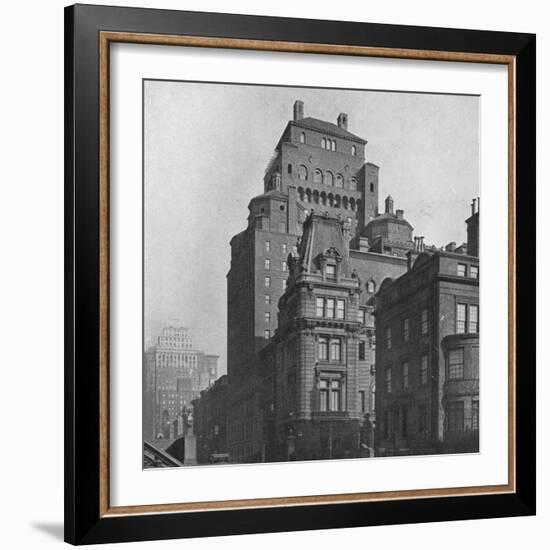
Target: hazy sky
[(206, 149)]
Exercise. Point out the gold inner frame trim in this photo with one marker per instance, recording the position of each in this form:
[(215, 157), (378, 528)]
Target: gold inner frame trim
[(105, 39)]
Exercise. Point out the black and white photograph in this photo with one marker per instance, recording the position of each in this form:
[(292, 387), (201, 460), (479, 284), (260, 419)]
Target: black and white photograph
[(311, 272)]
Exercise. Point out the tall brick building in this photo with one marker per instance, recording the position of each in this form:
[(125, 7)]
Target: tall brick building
[(427, 329), (317, 165)]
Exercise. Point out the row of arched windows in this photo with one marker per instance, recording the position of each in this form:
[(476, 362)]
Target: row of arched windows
[(326, 178), (328, 144), (328, 199)]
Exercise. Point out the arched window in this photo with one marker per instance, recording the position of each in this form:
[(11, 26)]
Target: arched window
[(337, 201), (317, 176), (302, 172), (301, 193), (329, 178), (316, 197), (371, 286), (353, 184), (352, 203), (302, 137), (324, 143), (345, 203), (333, 145), (331, 199), (323, 198), (339, 180), (308, 195), (353, 150)]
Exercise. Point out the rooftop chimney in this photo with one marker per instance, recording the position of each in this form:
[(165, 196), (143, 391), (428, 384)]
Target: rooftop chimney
[(389, 205), (298, 110), (343, 121)]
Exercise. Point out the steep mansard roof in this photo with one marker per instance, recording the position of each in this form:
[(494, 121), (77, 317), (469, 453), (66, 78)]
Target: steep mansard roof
[(323, 234)]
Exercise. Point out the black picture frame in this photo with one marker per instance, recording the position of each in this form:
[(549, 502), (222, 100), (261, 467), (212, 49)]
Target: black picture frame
[(84, 523)]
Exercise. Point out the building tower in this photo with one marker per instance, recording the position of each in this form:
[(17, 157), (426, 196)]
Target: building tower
[(316, 165)]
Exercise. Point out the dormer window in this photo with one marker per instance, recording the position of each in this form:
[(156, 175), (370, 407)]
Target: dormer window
[(330, 271)]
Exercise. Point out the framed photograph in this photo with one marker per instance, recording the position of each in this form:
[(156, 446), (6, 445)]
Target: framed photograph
[(300, 285)]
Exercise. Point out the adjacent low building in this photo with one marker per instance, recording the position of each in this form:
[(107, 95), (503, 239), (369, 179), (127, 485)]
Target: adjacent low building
[(427, 357), (210, 422)]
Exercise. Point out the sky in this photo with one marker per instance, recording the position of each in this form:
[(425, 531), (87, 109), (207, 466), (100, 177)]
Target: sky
[(206, 147)]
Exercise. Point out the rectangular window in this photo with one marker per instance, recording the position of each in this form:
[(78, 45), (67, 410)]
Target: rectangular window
[(460, 318), (283, 248), (266, 334), (424, 322), (422, 418), (473, 320), (461, 270), (330, 271), (363, 316), (424, 369), (455, 367), (323, 395), (283, 284), (361, 351), (406, 332), (387, 424), (320, 307), (267, 246), (475, 415), (282, 227), (283, 266), (330, 308), (267, 282), (404, 422), (340, 309), (267, 317), (267, 299), (323, 349), (388, 380), (405, 375), (362, 401), (388, 338), (335, 395), (267, 263), (455, 416), (335, 350)]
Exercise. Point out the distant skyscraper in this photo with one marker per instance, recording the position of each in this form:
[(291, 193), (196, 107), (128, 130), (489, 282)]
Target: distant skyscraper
[(174, 374)]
